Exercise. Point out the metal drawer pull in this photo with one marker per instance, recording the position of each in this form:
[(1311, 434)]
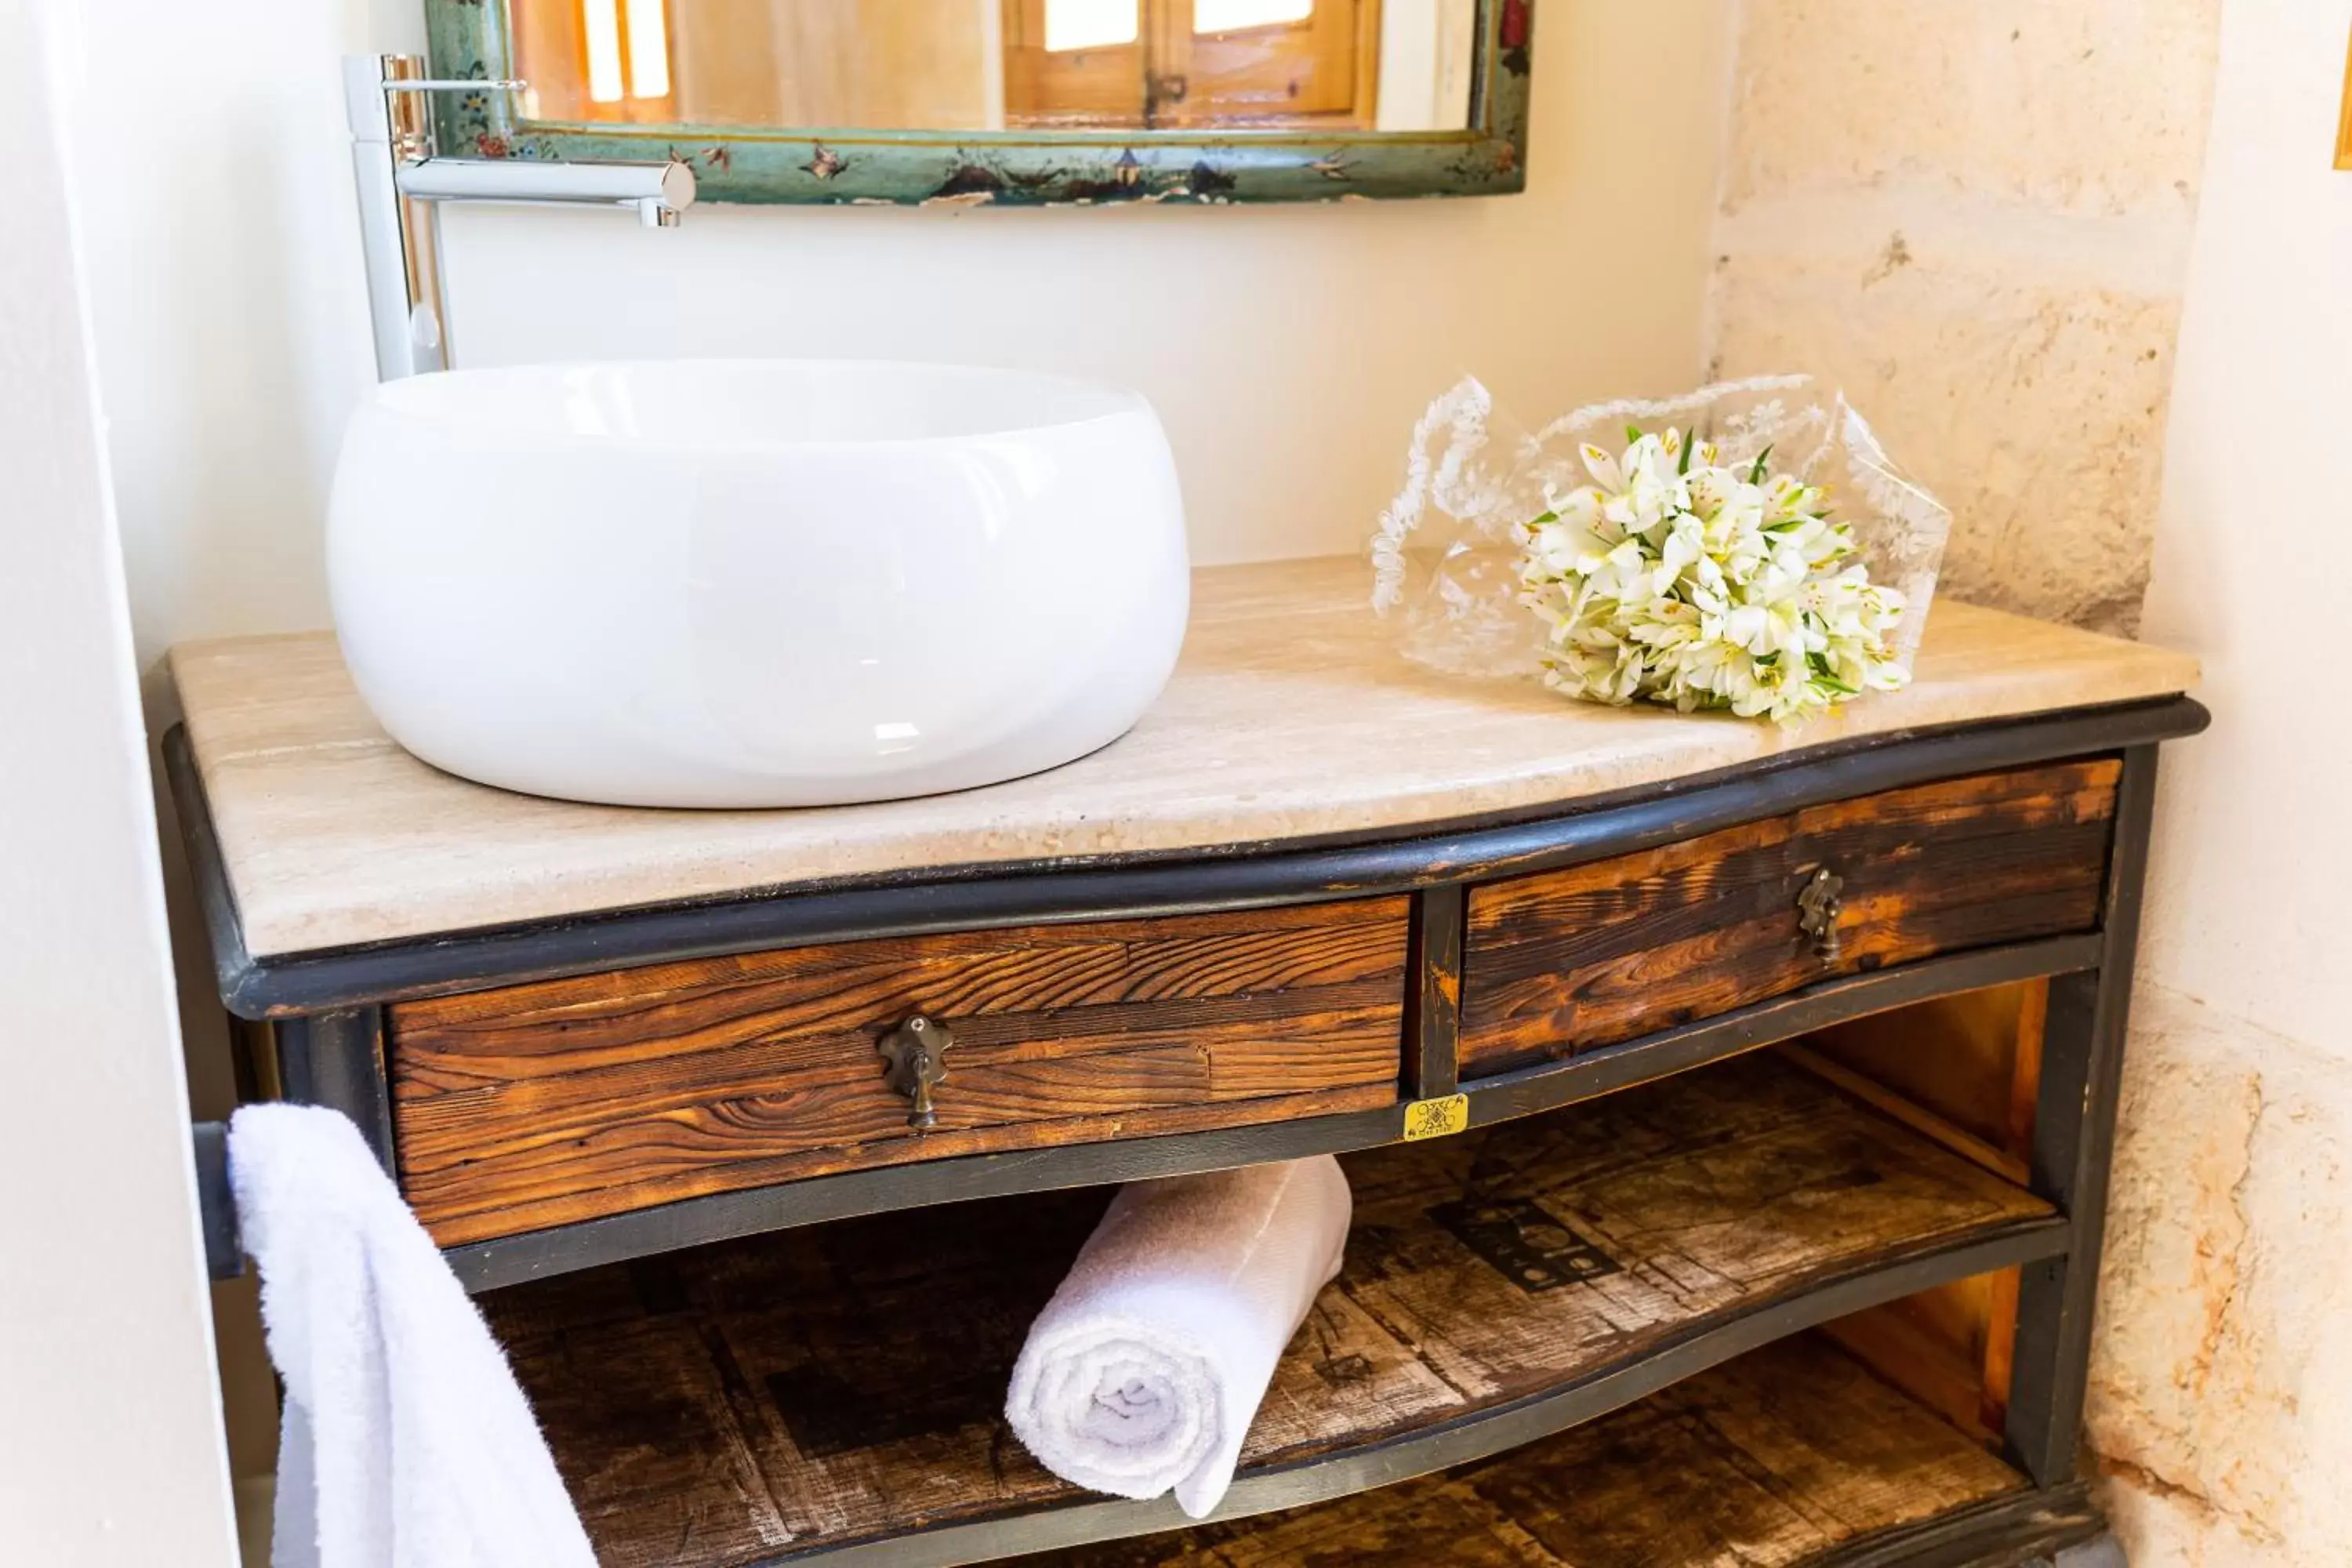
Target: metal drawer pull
[(1820, 907), (915, 1062)]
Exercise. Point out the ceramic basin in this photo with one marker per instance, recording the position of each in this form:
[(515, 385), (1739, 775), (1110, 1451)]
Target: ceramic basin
[(755, 583)]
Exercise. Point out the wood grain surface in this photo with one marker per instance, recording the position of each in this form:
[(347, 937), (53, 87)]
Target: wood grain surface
[(1566, 961), (1967, 1071), (789, 1393), (1764, 1462), (1971, 1060), (537, 1105)]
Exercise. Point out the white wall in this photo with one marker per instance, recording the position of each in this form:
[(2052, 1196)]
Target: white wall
[(1288, 349), (109, 1421), (223, 257), (2253, 521), (2224, 1395)]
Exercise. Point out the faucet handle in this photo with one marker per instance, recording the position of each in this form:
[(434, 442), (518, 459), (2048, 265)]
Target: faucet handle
[(405, 73), (372, 83), (455, 84)]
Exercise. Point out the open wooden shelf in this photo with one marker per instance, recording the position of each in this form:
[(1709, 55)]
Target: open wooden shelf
[(837, 1389), (1793, 1454)]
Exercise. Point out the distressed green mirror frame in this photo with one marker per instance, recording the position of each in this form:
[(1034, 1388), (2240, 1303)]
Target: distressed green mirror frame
[(471, 39)]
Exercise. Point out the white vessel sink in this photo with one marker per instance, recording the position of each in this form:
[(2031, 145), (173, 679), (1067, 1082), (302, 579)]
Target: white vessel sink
[(755, 583)]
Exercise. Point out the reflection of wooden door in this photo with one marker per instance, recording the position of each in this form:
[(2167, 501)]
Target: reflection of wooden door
[(1323, 66), (1100, 85), (883, 64), (1317, 64)]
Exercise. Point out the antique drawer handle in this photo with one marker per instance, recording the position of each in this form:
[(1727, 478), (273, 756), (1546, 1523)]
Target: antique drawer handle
[(1820, 906), (914, 1063)]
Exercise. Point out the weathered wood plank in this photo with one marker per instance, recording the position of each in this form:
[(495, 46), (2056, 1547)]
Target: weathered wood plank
[(665, 1159), (1567, 961), (1972, 1060), (1929, 1346), (1766, 1462), (1965, 1070), (537, 1105), (844, 1382)]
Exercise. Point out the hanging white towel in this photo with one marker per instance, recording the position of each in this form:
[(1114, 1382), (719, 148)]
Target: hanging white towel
[(1144, 1372), (407, 1443)]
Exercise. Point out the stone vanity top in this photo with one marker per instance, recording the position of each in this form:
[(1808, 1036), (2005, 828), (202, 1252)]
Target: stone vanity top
[(1291, 715)]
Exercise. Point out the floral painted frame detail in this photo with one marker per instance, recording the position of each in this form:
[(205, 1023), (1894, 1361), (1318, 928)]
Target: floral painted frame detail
[(472, 40)]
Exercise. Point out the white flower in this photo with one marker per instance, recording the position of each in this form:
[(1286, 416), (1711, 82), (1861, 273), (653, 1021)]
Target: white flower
[(1673, 579)]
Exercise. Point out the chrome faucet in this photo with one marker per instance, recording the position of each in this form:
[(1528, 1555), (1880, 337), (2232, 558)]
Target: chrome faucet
[(403, 177)]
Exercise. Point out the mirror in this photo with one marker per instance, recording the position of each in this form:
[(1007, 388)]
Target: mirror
[(1023, 100), (1001, 65)]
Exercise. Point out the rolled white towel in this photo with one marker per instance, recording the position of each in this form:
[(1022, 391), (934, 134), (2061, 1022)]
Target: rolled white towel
[(1144, 1372)]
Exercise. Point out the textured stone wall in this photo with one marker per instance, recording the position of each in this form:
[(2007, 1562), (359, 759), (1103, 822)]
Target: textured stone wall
[(2221, 1387), (1977, 218), (2222, 1391), (2085, 263)]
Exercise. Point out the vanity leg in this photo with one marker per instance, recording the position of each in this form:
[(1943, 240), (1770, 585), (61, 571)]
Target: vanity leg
[(336, 1060), (1434, 1006), (2074, 1139)]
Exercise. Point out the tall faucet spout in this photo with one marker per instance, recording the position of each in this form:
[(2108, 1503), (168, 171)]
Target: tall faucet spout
[(668, 186), (401, 179)]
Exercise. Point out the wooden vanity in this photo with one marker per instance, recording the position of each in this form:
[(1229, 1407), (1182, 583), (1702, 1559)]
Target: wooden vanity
[(1627, 1289)]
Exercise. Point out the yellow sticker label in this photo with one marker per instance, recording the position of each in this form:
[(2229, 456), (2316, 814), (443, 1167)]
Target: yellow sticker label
[(1436, 1118)]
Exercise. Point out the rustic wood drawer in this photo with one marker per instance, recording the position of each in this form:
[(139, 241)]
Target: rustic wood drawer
[(1565, 961), (538, 1105)]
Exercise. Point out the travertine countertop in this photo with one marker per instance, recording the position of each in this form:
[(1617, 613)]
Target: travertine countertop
[(1289, 716)]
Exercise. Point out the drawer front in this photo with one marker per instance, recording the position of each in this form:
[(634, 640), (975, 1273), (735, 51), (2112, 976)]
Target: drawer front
[(1565, 961), (538, 1105)]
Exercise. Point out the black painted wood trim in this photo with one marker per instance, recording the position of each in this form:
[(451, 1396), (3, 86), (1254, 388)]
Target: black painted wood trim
[(1433, 1020), (206, 862), (1193, 881), (1995, 1533), (2074, 1149), (336, 1060), (693, 1221), (1605, 1071), (331, 1059), (1705, 1344), (216, 1203)]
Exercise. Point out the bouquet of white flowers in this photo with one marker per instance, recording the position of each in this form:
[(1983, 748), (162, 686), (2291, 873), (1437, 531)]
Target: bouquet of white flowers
[(1688, 568), (1676, 579)]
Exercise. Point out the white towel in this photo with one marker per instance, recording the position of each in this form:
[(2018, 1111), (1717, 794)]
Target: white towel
[(407, 1443), (1144, 1372)]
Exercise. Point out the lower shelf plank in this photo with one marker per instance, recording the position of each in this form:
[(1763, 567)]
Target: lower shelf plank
[(840, 1387), (1790, 1455)]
